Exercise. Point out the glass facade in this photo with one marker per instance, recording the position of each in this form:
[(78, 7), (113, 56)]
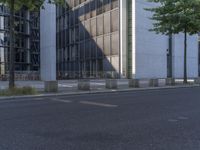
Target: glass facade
[(26, 41), (129, 43), (88, 39), (34, 41)]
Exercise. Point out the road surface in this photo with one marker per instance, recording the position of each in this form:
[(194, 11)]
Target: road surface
[(147, 120)]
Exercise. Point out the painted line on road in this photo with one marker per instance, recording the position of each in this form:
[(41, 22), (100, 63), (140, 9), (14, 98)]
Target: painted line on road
[(61, 100), (98, 104), (183, 118), (173, 120)]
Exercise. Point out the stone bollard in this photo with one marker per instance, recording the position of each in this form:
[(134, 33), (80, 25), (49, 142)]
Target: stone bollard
[(134, 83), (84, 85), (170, 81), (51, 86), (111, 84), (153, 83), (197, 80)]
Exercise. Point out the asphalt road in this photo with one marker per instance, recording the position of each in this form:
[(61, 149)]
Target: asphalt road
[(145, 120)]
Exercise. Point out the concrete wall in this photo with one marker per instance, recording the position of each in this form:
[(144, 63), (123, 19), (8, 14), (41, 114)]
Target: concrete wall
[(151, 49), (48, 42), (178, 56), (150, 52)]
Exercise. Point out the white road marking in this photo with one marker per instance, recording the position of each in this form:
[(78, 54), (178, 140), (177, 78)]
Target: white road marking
[(173, 120), (61, 100), (183, 118), (39, 99), (97, 104)]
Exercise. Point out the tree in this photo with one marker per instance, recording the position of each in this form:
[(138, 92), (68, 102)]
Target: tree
[(174, 17), (16, 5)]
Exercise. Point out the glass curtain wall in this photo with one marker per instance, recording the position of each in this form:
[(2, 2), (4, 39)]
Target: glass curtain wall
[(24, 49), (129, 42), (88, 39), (34, 41)]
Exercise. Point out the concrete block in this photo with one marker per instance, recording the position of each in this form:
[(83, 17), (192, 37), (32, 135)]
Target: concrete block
[(162, 82), (51, 86), (134, 83), (197, 80), (170, 81), (144, 83), (84, 85), (111, 84), (153, 83)]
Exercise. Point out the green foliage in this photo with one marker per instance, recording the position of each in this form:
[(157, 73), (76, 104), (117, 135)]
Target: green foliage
[(18, 91), (30, 4), (175, 16)]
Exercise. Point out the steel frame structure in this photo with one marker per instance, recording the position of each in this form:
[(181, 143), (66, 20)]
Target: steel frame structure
[(27, 48)]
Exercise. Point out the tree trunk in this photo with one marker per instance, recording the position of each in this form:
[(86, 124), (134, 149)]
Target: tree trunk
[(12, 49), (185, 56), (170, 57)]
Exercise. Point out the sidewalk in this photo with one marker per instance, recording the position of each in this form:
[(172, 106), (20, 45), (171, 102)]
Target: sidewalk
[(69, 87)]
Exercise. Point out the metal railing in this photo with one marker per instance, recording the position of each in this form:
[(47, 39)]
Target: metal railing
[(88, 75), (22, 76)]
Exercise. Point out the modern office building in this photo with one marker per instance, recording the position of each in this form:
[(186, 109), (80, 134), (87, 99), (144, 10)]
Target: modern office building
[(95, 38), (27, 47), (111, 38), (88, 39)]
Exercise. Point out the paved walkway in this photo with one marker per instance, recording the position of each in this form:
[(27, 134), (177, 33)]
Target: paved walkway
[(64, 85), (68, 87), (38, 84)]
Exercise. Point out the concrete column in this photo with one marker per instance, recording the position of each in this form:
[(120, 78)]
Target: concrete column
[(2, 51), (48, 46), (123, 38)]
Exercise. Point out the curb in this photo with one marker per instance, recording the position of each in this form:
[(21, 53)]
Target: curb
[(98, 92)]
